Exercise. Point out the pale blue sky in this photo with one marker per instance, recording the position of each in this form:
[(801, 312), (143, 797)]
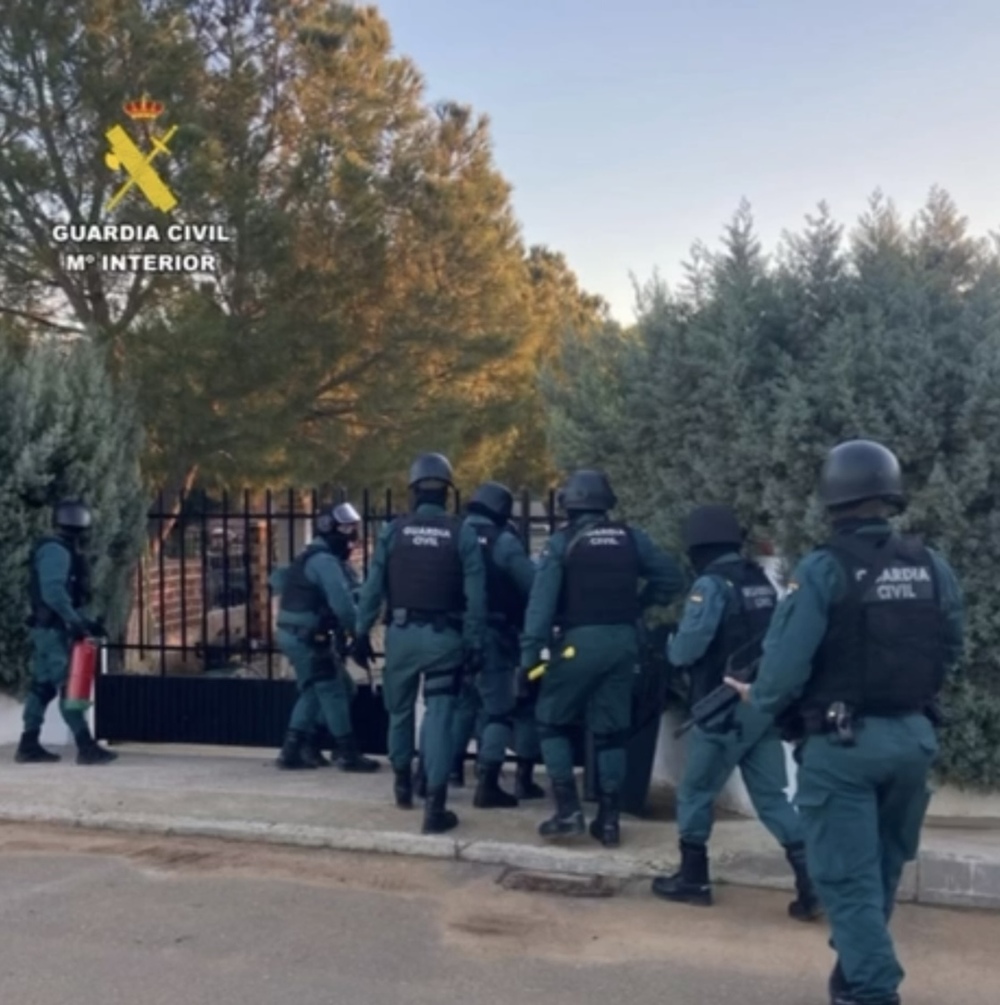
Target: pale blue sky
[(631, 128)]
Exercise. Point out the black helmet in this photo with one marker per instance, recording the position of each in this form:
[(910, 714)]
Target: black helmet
[(329, 519), (859, 470), (588, 491), (493, 500), (712, 525), (431, 468), (71, 514)]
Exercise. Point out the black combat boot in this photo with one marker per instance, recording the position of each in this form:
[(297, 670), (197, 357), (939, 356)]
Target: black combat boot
[(349, 758), (30, 751), (402, 789), (489, 795), (90, 752), (525, 787), (420, 779), (605, 827), (847, 998), (437, 819), (690, 884), (456, 779), (806, 906), (311, 754), (290, 758), (568, 819), (838, 988)]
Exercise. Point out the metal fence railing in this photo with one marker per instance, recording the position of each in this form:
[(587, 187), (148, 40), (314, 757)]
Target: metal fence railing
[(202, 601)]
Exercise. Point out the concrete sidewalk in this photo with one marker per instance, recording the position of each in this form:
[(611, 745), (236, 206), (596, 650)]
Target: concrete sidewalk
[(240, 795)]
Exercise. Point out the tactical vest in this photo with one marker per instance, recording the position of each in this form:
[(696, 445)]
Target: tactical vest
[(425, 568), (751, 604), (77, 586), (883, 652), (299, 595), (504, 601), (600, 577)]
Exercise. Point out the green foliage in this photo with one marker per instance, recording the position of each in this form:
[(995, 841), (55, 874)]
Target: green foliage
[(735, 388), (68, 432), (970, 753), (377, 296)]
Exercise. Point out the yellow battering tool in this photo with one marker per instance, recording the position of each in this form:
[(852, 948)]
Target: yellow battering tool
[(535, 672)]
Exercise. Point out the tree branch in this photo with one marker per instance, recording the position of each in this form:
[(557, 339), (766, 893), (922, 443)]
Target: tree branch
[(38, 319)]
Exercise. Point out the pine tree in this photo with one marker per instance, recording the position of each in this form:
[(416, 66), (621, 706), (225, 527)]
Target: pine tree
[(735, 390), (376, 295), (69, 432)]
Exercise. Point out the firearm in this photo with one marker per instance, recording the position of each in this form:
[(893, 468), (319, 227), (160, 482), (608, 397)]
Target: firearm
[(723, 697)]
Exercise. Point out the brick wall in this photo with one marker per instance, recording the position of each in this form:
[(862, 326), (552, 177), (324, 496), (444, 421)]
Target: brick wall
[(169, 620)]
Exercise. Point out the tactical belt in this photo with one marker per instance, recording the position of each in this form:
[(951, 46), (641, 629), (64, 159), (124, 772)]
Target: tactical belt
[(314, 636), (817, 723), (564, 625), (440, 620), (44, 617)]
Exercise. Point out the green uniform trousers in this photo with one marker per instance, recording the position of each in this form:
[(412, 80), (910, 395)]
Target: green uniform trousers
[(50, 650), (862, 808), (526, 743), (495, 687), (488, 710), (324, 693), (350, 688), (413, 652), (752, 745), (595, 685), (467, 720)]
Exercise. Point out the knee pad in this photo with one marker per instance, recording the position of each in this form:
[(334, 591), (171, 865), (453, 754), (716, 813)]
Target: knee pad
[(443, 683), (44, 691)]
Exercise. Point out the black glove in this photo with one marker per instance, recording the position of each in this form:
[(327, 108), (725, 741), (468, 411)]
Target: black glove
[(362, 652), (96, 629), (79, 630), (522, 686), (341, 644), (473, 662)]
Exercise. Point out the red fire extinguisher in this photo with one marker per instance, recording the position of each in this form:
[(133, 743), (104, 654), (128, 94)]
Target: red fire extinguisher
[(82, 670)]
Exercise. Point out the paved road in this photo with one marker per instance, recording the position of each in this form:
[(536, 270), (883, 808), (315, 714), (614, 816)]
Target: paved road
[(102, 919)]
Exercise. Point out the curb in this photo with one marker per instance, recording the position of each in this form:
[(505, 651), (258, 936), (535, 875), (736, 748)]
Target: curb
[(937, 878)]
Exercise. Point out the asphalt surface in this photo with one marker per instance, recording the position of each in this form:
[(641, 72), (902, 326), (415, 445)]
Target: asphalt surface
[(106, 919)]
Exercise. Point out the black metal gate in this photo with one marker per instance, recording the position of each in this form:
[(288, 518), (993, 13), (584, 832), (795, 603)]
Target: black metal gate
[(198, 664)]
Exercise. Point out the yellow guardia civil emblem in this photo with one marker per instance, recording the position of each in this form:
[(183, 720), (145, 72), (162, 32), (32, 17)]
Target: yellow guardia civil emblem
[(124, 154)]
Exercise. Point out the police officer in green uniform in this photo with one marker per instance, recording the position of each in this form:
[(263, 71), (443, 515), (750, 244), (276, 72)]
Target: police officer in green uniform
[(59, 589), (342, 542), (587, 586), (348, 531), (509, 575), (428, 568), (853, 664), (726, 617), (316, 616)]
